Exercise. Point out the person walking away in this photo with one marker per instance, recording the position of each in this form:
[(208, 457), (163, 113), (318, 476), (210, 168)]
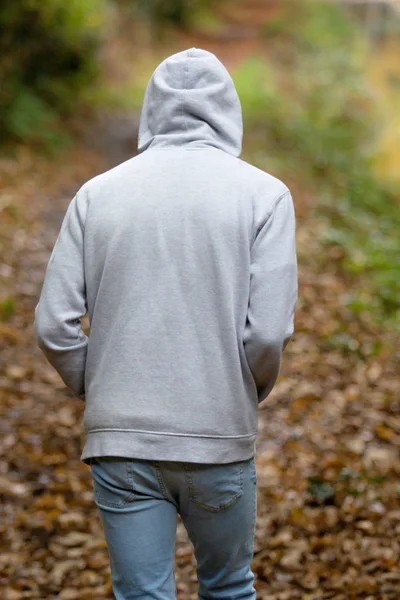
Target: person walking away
[(184, 259)]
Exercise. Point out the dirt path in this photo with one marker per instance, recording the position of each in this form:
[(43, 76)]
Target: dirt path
[(328, 523), (327, 453)]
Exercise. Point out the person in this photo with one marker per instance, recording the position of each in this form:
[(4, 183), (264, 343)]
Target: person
[(184, 258)]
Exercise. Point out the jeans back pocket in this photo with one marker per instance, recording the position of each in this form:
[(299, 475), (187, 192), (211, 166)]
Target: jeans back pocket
[(111, 481), (214, 487)]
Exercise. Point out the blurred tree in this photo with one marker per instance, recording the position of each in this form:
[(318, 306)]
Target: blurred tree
[(47, 56), (160, 12), (175, 11)]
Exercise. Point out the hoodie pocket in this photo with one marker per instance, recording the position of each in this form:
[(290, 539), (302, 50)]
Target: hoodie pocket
[(246, 366), (214, 487)]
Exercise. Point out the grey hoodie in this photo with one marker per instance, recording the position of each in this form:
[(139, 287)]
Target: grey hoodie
[(184, 259)]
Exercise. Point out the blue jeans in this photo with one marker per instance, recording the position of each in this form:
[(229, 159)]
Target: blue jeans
[(139, 501)]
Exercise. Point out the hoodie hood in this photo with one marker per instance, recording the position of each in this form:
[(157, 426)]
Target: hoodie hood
[(191, 100)]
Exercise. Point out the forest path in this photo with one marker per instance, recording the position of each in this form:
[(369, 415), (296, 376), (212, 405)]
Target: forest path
[(328, 523)]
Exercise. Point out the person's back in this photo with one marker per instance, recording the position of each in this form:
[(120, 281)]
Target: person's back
[(184, 258)]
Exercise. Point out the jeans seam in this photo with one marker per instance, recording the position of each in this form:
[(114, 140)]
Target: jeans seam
[(132, 494), (129, 473), (254, 470), (255, 514), (189, 479), (160, 479)]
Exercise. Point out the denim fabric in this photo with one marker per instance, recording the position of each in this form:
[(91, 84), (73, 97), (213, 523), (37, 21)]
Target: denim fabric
[(139, 501)]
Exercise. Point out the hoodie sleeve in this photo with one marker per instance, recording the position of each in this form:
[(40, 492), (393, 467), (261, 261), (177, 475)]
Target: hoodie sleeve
[(62, 303), (273, 295)]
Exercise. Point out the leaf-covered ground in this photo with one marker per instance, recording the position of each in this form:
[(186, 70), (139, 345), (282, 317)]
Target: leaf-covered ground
[(328, 522), (328, 517)]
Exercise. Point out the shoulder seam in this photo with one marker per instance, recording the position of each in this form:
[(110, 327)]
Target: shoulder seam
[(279, 198), (276, 202)]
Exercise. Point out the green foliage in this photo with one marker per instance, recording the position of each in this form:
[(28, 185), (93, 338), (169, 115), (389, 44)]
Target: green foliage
[(320, 491), (305, 24), (48, 55), (7, 308), (323, 129), (311, 116), (179, 13), (174, 11), (29, 118), (368, 228)]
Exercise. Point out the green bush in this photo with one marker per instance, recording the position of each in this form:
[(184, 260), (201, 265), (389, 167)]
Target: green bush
[(311, 117), (159, 13), (48, 55)]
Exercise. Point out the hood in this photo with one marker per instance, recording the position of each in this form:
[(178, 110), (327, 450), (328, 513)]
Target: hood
[(191, 100)]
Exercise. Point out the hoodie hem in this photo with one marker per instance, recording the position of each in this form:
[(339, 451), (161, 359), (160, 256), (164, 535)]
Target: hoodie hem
[(172, 447)]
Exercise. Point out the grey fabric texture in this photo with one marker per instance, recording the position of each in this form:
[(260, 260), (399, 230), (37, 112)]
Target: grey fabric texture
[(184, 258)]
